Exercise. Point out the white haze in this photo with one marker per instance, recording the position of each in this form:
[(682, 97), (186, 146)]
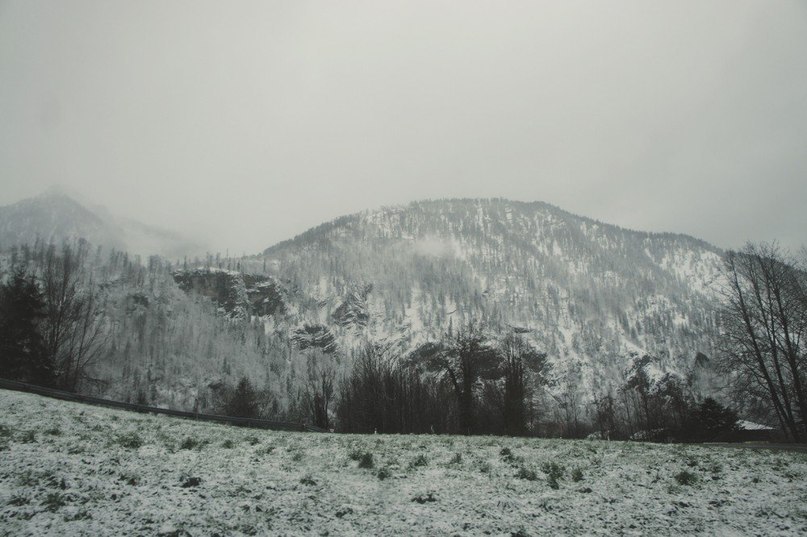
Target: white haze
[(244, 123)]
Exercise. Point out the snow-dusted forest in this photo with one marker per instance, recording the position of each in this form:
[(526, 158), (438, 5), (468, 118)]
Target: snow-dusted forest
[(403, 268), (484, 316)]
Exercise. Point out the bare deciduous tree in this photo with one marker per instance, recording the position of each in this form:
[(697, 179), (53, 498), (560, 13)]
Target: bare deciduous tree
[(764, 319), (74, 324), (467, 361)]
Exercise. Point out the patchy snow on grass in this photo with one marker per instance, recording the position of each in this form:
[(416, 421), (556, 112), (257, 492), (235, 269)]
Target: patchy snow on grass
[(70, 469)]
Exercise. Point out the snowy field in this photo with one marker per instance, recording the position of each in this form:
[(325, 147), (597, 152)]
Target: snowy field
[(69, 469)]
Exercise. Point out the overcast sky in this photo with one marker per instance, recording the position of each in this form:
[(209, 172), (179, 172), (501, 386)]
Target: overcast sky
[(245, 123)]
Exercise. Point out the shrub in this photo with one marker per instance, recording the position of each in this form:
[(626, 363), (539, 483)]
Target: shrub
[(190, 443), (419, 461), (27, 437), (366, 460), (554, 472), (227, 444), (308, 480), (19, 500), (526, 473), (188, 482), (686, 478), (129, 479), (577, 475), (54, 501), (130, 440), (383, 474), (425, 498)]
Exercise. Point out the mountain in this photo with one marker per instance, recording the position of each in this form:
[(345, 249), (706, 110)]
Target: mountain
[(600, 300), (55, 216)]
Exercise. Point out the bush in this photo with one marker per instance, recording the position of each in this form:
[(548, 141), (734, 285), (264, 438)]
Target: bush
[(18, 500), (366, 460), (190, 482), (54, 501), (554, 472), (577, 475), (383, 474), (28, 437), (130, 440), (425, 498), (419, 461), (190, 443), (526, 473), (129, 479), (686, 478)]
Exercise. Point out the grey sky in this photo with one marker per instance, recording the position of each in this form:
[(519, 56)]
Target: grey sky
[(245, 123)]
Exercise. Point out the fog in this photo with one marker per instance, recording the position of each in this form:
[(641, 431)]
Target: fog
[(245, 123)]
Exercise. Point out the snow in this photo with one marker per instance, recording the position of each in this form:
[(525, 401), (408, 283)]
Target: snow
[(69, 469), (744, 425)]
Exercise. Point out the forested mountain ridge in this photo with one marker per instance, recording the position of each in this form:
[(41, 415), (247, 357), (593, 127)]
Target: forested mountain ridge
[(604, 305), (593, 296)]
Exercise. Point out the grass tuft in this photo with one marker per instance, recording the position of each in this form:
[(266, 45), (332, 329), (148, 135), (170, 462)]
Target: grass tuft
[(366, 460), (686, 478)]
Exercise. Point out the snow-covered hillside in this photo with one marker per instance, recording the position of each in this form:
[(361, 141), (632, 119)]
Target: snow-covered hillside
[(593, 296), (69, 469), (602, 302)]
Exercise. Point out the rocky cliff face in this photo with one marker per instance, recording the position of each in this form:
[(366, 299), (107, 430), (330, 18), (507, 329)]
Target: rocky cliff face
[(237, 294)]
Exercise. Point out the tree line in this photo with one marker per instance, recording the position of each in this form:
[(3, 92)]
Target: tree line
[(472, 382), (52, 322), (60, 323)]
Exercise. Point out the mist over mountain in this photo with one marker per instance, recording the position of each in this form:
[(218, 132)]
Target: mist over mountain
[(602, 302), (593, 296), (55, 216)]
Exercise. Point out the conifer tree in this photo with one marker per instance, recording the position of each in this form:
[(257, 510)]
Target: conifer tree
[(22, 348)]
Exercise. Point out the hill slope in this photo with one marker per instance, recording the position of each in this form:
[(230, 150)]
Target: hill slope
[(70, 469), (592, 295)]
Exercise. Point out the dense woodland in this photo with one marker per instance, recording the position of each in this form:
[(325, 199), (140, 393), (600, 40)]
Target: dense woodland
[(351, 329)]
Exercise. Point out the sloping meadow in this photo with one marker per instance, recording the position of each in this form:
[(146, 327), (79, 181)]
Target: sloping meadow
[(67, 468)]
